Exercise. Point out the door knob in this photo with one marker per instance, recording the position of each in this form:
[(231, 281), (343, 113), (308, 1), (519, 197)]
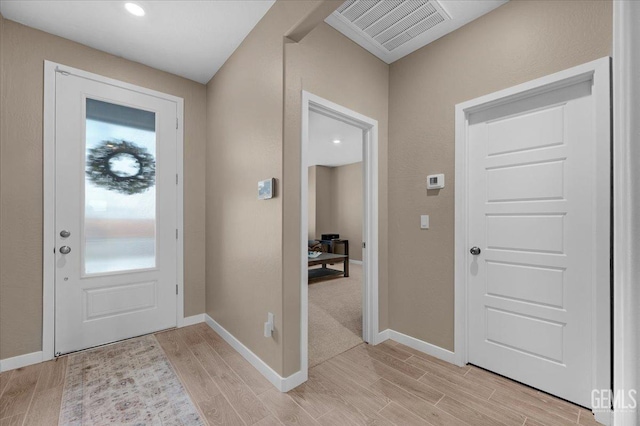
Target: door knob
[(65, 234), (475, 251), (65, 249)]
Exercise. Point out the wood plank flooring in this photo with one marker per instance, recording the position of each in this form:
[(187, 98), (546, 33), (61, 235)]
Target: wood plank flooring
[(388, 384)]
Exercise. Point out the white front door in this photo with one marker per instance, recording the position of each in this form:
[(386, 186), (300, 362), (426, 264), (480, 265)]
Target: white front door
[(115, 213), (532, 215)]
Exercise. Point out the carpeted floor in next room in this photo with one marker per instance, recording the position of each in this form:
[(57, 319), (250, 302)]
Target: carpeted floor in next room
[(335, 315)]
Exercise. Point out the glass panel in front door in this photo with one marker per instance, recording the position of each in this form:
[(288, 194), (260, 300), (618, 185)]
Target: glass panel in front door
[(119, 189)]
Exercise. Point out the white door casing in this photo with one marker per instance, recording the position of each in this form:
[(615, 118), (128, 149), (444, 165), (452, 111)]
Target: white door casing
[(626, 202), (369, 126), (533, 194), (94, 306)]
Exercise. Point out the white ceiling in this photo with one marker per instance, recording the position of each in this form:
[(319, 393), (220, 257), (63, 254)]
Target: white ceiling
[(187, 38), (323, 152), (391, 29), (193, 38)]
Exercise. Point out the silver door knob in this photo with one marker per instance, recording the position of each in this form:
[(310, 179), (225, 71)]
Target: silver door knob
[(65, 249), (475, 251), (65, 234)]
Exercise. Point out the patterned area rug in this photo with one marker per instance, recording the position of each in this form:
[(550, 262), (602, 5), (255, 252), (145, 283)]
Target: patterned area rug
[(129, 383)]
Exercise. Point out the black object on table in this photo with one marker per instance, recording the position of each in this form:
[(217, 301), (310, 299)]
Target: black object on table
[(330, 237), (331, 246)]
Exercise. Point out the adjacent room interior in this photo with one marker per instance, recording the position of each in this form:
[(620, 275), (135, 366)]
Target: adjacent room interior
[(164, 223), (335, 194)]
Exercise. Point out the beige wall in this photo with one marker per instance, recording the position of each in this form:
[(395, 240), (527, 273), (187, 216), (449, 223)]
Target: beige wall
[(23, 52), (346, 206), (253, 247), (244, 235), (325, 219), (517, 42), (329, 65), (311, 186)]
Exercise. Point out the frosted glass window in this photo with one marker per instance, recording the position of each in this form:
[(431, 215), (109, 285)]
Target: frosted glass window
[(119, 190)]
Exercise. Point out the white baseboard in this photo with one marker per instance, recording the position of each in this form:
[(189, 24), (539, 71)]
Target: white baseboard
[(382, 336), (293, 381), (20, 361), (419, 345), (355, 262), (36, 357), (194, 319), (283, 384), (605, 417)]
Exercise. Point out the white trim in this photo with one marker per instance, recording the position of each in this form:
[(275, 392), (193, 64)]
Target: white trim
[(419, 345), (181, 320), (48, 256), (422, 346), (283, 384), (598, 72), (311, 102), (304, 233), (192, 320), (382, 336), (601, 270), (626, 203), (20, 361), (293, 381), (355, 262), (49, 219), (461, 244)]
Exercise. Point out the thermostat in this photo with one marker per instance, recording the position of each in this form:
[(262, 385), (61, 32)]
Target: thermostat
[(435, 181)]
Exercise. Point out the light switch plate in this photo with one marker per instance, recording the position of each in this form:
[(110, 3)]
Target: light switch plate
[(424, 221)]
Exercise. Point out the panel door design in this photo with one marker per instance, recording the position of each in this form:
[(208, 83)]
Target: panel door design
[(531, 211), (116, 213)]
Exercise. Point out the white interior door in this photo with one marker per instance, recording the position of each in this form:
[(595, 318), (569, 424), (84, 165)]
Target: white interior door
[(532, 213), (115, 213)]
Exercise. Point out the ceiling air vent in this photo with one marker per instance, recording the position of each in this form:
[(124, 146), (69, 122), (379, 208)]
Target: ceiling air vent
[(389, 29)]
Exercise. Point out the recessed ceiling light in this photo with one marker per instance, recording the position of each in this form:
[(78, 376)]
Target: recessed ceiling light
[(134, 9), (337, 141)]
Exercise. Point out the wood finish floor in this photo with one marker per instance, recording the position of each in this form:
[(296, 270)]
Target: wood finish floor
[(389, 384)]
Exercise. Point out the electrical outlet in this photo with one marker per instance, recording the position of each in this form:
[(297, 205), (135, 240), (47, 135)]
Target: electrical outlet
[(268, 326)]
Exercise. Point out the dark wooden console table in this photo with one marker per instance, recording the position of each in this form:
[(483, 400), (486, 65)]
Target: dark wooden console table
[(324, 272)]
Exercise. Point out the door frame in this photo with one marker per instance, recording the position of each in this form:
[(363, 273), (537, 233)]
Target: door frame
[(597, 71), (626, 175), (49, 195), (311, 102)]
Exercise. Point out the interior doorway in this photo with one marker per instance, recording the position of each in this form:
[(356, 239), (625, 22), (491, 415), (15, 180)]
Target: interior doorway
[(339, 222), (335, 218)]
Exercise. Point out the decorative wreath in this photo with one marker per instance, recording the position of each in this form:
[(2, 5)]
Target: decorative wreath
[(100, 167)]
